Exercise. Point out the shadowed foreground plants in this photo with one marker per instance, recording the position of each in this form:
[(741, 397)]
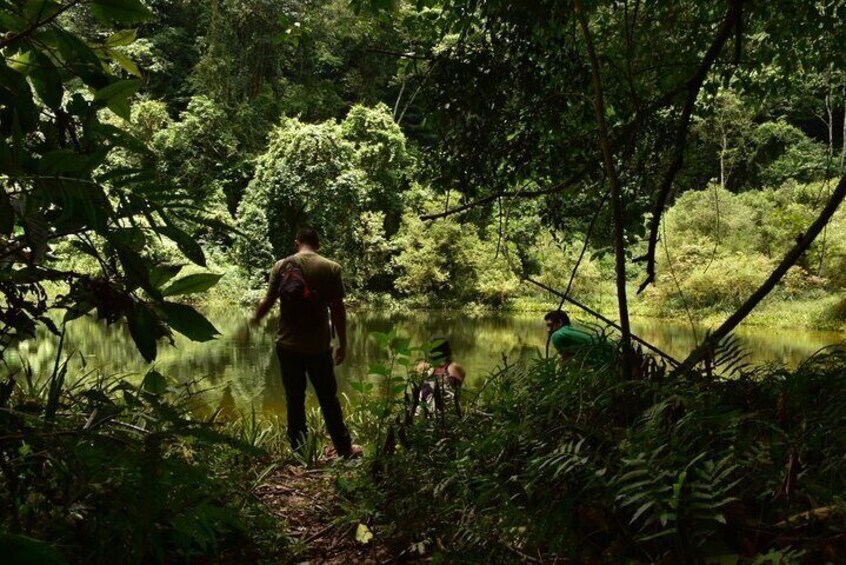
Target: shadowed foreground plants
[(549, 462), (113, 472)]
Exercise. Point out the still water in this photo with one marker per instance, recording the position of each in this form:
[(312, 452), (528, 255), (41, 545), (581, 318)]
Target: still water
[(240, 370)]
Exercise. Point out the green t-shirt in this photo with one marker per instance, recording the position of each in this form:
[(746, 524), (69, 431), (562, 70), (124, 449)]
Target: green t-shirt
[(324, 276), (570, 340)]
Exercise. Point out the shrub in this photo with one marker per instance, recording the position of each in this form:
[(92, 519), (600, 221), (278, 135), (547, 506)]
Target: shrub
[(436, 260), (569, 462), (782, 152), (109, 471), (726, 283), (340, 178)]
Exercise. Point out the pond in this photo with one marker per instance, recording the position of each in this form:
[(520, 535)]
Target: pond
[(240, 370)]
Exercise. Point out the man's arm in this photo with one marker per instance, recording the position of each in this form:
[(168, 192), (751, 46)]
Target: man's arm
[(339, 321), (456, 373), (269, 299)]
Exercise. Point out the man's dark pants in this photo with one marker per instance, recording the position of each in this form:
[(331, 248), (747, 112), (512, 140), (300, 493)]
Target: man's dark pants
[(321, 371)]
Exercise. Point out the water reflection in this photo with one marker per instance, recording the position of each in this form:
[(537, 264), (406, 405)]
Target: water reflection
[(240, 368)]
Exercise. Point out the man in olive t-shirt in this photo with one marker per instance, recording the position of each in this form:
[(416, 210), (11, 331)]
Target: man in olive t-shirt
[(303, 339)]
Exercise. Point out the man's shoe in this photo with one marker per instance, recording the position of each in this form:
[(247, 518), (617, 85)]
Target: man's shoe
[(354, 452)]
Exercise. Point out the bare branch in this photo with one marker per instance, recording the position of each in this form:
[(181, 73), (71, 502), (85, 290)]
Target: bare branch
[(401, 54), (519, 193), (9, 39), (694, 85), (588, 235), (614, 190), (599, 316)]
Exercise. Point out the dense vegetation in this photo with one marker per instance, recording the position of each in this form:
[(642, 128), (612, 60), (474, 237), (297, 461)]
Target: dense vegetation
[(549, 462), (358, 156), (159, 154)]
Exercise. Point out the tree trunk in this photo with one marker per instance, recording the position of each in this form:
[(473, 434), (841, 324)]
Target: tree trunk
[(614, 189), (803, 242), (723, 162), (843, 139), (830, 124)]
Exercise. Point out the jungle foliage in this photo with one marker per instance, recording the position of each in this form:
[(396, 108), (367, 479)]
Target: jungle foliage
[(552, 462), (448, 150)]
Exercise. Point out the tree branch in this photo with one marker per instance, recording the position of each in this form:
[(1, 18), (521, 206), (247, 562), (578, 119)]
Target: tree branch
[(627, 135), (803, 242), (614, 190), (400, 54), (694, 85), (9, 39), (588, 235), (557, 187)]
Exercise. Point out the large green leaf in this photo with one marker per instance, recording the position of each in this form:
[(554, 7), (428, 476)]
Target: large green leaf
[(47, 81), (187, 321), (118, 89), (120, 11), (39, 10), (192, 284), (81, 59), (154, 382), (135, 268), (125, 62), (144, 331), (187, 244), (22, 62), (16, 96), (121, 38), (9, 21), (116, 96), (160, 274), (61, 161), (121, 107)]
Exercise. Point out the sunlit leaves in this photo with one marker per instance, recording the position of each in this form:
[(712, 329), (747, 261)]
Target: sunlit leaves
[(117, 94), (187, 321), (192, 284)]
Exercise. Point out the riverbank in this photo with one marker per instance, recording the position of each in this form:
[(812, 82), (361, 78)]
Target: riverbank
[(542, 463), (814, 311), (239, 369)]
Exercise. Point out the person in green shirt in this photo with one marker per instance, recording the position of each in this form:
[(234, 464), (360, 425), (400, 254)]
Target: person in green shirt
[(569, 340)]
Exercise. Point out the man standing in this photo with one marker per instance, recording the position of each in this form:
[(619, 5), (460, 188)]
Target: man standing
[(309, 287)]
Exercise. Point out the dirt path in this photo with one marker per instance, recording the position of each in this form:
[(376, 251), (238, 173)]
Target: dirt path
[(307, 500)]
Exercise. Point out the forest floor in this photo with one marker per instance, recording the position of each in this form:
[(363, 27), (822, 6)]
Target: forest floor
[(307, 501)]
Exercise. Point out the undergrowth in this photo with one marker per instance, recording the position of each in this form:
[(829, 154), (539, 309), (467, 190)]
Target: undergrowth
[(102, 470), (551, 461)]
